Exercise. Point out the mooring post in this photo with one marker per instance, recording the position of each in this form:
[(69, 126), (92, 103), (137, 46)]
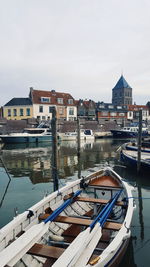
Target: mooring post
[(78, 136), (139, 141), (79, 147), (54, 148)]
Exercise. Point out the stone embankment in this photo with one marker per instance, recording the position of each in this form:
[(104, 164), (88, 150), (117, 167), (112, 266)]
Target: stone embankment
[(9, 126)]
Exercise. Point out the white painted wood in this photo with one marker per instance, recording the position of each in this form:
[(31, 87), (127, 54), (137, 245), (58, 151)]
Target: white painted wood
[(18, 248)]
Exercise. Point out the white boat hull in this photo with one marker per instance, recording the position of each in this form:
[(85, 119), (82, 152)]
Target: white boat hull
[(24, 222)]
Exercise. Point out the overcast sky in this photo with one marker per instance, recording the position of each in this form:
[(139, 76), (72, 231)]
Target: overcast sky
[(79, 47)]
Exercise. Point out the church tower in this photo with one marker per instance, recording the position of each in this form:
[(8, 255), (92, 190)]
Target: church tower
[(122, 93)]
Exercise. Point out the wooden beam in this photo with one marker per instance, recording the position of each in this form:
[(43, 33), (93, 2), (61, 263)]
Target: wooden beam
[(45, 251), (96, 200), (81, 221)]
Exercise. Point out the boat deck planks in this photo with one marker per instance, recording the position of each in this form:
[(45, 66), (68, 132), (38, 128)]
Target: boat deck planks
[(96, 200), (105, 181), (50, 252), (46, 251), (81, 221)]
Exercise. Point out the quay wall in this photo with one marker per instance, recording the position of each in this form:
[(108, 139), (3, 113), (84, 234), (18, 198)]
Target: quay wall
[(9, 126)]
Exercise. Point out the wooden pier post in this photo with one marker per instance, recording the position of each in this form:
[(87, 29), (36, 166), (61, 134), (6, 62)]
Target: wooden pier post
[(139, 141), (54, 148), (78, 136), (78, 148)]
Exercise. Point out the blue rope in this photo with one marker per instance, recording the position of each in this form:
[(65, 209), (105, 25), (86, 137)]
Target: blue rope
[(138, 197)]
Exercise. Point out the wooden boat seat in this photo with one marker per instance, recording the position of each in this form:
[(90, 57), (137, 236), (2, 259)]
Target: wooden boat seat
[(81, 221), (107, 181), (49, 252), (98, 201), (46, 251), (104, 187)]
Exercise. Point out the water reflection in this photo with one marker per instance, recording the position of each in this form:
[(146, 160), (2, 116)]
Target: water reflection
[(36, 160), (31, 169), (4, 194)]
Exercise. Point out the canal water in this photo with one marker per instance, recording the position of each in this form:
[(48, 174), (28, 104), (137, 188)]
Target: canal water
[(30, 168)]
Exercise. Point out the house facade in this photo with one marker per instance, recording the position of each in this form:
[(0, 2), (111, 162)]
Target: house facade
[(18, 109), (109, 112), (86, 109), (122, 93), (43, 101), (133, 112)]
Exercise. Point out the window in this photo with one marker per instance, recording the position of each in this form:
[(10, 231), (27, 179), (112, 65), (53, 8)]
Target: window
[(101, 106), (91, 112), (110, 106), (21, 111), (71, 111), (28, 111), (15, 112), (130, 114), (60, 100), (81, 112), (40, 108), (70, 101), (52, 109), (104, 113), (61, 111), (121, 114), (9, 112), (113, 114), (45, 99), (119, 107), (43, 117)]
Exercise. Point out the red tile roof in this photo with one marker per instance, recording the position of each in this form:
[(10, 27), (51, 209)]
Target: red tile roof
[(137, 107), (53, 95)]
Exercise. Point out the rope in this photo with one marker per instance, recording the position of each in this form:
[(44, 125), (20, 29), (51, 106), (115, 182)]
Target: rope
[(136, 198)]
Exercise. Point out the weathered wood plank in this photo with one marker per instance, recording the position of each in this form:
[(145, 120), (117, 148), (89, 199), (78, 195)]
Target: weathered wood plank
[(81, 221), (45, 251), (96, 200)]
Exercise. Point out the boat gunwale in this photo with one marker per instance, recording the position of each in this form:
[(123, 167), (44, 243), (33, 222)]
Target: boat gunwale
[(124, 232)]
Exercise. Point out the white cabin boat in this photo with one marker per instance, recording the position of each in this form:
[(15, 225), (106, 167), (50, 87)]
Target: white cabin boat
[(85, 223), (72, 136), (29, 135)]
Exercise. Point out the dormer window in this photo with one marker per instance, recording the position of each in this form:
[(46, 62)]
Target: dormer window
[(45, 99), (101, 106), (60, 100), (70, 101), (110, 106)]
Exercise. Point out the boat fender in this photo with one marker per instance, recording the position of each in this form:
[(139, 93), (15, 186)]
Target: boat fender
[(56, 237), (30, 214)]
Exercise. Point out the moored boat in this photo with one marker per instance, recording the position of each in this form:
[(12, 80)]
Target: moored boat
[(72, 136), (130, 158), (129, 132), (85, 223), (134, 147), (29, 135)]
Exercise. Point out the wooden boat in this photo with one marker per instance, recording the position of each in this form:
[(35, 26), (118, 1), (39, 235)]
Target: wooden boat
[(85, 223), (129, 132), (72, 136), (130, 158), (134, 147)]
